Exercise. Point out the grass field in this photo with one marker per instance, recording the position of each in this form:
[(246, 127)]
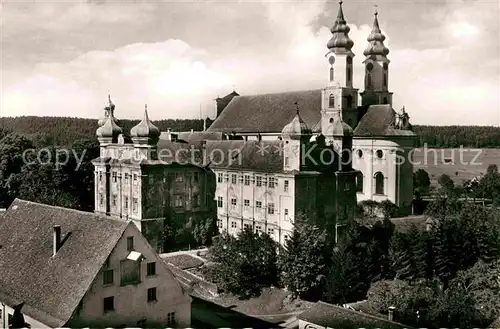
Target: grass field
[(459, 164)]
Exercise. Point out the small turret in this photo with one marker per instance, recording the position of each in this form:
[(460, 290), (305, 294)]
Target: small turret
[(297, 129), (108, 130)]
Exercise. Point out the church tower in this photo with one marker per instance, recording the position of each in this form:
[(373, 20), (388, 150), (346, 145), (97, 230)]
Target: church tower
[(339, 99), (376, 69)]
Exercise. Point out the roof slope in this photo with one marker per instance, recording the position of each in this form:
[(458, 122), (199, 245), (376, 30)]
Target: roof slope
[(379, 121), (52, 287), (328, 315), (268, 112), (198, 136)]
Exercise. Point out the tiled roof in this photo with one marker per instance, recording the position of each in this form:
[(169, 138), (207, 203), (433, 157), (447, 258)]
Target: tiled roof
[(328, 315), (264, 156), (268, 112), (378, 121), (52, 287), (198, 136)]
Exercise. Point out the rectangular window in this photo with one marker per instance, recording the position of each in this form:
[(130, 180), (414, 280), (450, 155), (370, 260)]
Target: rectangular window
[(126, 178), (247, 180), (101, 199), (100, 176), (113, 200), (258, 228), (286, 213), (171, 319), (233, 224), (270, 231), (272, 182), (287, 161), (219, 202), (270, 208), (286, 186), (135, 177), (130, 272), (219, 223), (151, 268), (126, 202), (233, 178), (196, 176), (196, 200), (130, 243), (178, 201), (233, 202), (107, 277), (259, 181), (152, 295), (258, 204), (246, 203), (109, 304), (219, 178), (135, 204)]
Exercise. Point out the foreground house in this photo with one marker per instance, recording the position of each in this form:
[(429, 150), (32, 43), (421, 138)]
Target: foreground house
[(68, 268)]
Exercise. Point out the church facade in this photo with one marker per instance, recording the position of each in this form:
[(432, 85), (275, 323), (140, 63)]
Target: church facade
[(383, 139)]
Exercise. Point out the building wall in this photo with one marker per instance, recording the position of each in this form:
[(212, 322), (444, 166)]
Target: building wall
[(394, 165), (5, 311), (234, 214), (130, 301)]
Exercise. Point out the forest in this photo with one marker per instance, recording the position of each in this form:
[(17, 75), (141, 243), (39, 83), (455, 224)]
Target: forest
[(62, 131)]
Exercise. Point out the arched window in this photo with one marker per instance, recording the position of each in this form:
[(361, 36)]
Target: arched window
[(349, 60), (349, 101), (331, 73), (369, 80), (360, 153), (331, 101), (349, 74), (359, 182), (385, 80), (379, 183), (380, 154)]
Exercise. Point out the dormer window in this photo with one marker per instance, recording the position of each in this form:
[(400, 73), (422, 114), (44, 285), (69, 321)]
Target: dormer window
[(331, 101)]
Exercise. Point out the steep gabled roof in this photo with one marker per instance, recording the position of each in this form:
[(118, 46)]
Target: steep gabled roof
[(52, 287), (379, 121), (268, 112)]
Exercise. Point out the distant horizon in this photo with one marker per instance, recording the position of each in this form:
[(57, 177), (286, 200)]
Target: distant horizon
[(139, 119)]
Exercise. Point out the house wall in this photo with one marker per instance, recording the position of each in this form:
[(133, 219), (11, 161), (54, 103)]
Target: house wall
[(5, 311), (130, 301), (235, 217)]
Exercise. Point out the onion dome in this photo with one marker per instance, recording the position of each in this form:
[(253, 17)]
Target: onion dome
[(109, 109), (376, 41), (109, 129), (145, 130), (296, 129), (340, 38)]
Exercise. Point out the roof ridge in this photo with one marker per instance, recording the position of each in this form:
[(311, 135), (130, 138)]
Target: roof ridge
[(66, 209), (283, 92)]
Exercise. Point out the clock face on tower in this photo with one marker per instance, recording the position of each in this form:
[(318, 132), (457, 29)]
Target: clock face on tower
[(331, 60)]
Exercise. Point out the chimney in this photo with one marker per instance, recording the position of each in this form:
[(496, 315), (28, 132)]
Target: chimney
[(391, 313), (57, 239)]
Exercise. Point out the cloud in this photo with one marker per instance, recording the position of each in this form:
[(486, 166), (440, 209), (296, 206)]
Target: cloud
[(439, 84)]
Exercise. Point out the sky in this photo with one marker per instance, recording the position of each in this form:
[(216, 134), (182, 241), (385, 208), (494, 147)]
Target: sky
[(62, 58)]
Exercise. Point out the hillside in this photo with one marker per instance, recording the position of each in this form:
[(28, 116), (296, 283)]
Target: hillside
[(64, 130)]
